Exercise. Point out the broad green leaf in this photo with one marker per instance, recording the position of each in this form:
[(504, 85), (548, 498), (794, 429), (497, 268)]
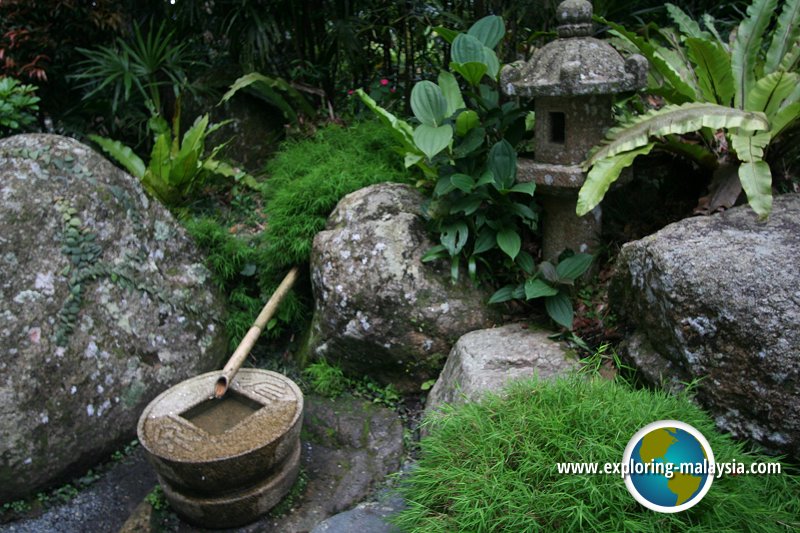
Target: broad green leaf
[(525, 262), (503, 295), (466, 121), (769, 93), (123, 154), (488, 30), (432, 140), (452, 94), (437, 252), (783, 118), (470, 143), (536, 288), (685, 23), (486, 178), (747, 45), (454, 270), (522, 211), (467, 49), (472, 71), (791, 59), (785, 36), (160, 160), (185, 164), (559, 307), (525, 188), (713, 70), (509, 241), (454, 237), (443, 187), (492, 63), (573, 267), (462, 182), (754, 173), (675, 119), (401, 129), (502, 162), (445, 33), (485, 241), (756, 181), (548, 272), (428, 103), (467, 205), (603, 173)]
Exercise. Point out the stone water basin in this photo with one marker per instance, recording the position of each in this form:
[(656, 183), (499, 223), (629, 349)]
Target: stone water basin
[(229, 460)]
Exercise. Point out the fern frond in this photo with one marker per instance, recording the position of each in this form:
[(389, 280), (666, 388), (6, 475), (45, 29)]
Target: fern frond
[(754, 172), (674, 119), (785, 36), (683, 90), (746, 47), (123, 154), (602, 175), (709, 22), (771, 92), (688, 26), (713, 70)]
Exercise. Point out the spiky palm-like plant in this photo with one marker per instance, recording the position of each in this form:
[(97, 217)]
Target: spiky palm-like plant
[(750, 91)]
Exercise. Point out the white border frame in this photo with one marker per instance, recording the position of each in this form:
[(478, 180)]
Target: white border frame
[(626, 457)]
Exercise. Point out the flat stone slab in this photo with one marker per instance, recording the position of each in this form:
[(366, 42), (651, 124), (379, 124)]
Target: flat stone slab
[(370, 517)]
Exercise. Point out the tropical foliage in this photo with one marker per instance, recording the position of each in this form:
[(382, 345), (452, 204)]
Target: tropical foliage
[(176, 168), (464, 144), (18, 103), (748, 90)]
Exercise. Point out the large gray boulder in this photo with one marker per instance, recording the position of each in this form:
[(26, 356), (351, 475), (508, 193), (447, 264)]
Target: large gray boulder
[(718, 298), (105, 303), (380, 311), (488, 360)]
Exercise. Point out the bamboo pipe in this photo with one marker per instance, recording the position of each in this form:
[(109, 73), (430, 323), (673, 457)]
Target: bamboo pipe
[(242, 351)]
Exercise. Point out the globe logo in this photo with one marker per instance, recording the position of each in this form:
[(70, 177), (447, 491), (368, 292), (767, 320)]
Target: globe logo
[(669, 466)]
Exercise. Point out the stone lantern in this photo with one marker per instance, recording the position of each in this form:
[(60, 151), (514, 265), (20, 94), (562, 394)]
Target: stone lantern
[(572, 81)]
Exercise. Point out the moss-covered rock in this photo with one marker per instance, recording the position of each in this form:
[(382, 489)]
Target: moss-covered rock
[(380, 311), (105, 303)]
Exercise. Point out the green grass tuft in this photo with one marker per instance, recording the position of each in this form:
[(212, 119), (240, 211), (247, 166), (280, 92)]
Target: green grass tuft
[(490, 466), (308, 178)]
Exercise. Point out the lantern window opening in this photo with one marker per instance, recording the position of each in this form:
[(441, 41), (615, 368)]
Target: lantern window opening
[(558, 127)]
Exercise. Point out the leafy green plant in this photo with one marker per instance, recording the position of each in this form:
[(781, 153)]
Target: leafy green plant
[(553, 283), (491, 466), (175, 170), (464, 145), (136, 71), (326, 379), (18, 105), (329, 380), (307, 178), (276, 92), (748, 91)]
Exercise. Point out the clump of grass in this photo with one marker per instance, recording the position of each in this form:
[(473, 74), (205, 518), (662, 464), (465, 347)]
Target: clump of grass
[(308, 178), (491, 466)]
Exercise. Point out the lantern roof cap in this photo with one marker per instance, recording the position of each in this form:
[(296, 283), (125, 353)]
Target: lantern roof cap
[(575, 63)]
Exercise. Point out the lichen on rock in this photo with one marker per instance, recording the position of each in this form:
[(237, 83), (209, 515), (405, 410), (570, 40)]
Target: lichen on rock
[(104, 305), (380, 311)]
